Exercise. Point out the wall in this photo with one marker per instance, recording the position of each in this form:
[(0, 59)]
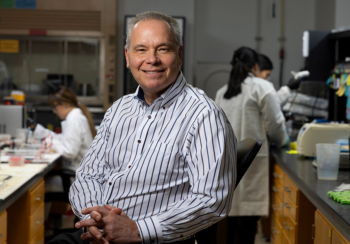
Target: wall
[(325, 15), (180, 8), (342, 17), (222, 26)]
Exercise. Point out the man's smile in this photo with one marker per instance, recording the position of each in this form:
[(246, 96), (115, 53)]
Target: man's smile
[(153, 71)]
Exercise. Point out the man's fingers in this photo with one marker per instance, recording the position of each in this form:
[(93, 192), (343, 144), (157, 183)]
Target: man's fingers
[(95, 233), (95, 215), (115, 210), (86, 223), (103, 211), (86, 236)]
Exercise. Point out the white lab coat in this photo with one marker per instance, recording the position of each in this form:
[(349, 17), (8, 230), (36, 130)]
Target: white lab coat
[(254, 113), (74, 140), (283, 95)]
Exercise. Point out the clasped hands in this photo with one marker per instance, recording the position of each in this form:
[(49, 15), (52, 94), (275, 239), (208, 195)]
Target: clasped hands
[(118, 227)]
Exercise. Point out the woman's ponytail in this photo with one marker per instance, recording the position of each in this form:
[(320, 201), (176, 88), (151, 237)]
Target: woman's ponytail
[(242, 62), (88, 116)]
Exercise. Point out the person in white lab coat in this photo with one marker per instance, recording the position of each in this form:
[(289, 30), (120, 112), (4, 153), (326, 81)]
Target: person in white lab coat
[(264, 71), (77, 131), (252, 107)]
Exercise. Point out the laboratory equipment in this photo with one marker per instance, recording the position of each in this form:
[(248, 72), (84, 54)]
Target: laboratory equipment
[(12, 118), (311, 134), (327, 161)]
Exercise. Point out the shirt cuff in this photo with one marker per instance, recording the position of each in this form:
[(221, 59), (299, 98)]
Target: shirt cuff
[(150, 230), (85, 217)]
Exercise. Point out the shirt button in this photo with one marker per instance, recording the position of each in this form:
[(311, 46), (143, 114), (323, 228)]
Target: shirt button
[(129, 166), (163, 107), (139, 141), (149, 117), (110, 183)]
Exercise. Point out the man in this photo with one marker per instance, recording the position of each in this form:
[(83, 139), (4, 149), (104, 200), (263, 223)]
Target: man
[(162, 166), (265, 69)]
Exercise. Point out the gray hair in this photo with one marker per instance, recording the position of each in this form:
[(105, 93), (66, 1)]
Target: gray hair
[(173, 24)]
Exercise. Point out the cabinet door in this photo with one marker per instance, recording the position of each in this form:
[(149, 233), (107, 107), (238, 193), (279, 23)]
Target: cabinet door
[(336, 239), (323, 231)]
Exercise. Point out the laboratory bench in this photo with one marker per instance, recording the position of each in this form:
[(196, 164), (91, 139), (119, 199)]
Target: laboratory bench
[(302, 212), (22, 202)]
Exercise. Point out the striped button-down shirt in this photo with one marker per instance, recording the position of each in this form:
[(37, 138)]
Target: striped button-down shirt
[(170, 167)]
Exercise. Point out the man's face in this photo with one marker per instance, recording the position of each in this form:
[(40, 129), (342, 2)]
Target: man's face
[(264, 74), (153, 57)]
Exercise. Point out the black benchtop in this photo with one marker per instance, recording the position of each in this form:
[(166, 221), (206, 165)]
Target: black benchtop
[(301, 171)]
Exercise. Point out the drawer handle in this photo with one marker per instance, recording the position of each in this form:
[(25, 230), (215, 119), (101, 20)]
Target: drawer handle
[(39, 221), (1, 235), (276, 175), (285, 226), (39, 198), (274, 208), (275, 189), (287, 189), (286, 205), (274, 231)]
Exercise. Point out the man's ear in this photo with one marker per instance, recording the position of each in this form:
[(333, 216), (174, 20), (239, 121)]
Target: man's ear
[(127, 58), (180, 53)]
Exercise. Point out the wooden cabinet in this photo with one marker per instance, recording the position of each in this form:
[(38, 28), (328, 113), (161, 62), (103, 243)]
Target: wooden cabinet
[(27, 215), (292, 212), (338, 239), (3, 227), (325, 233)]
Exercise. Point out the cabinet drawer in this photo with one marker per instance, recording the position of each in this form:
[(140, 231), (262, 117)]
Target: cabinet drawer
[(289, 206), (284, 238), (36, 196), (39, 237), (291, 190), (3, 227), (277, 189), (289, 228), (277, 208), (276, 231), (36, 221), (278, 174)]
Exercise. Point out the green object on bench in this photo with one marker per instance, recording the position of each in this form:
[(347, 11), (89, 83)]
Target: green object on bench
[(340, 196)]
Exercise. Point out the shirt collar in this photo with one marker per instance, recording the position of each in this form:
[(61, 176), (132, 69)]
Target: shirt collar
[(170, 94)]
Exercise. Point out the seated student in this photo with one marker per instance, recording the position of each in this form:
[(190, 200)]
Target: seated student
[(264, 72), (77, 132)]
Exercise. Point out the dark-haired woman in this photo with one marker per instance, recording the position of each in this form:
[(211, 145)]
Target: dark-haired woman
[(253, 109), (264, 72), (77, 128)]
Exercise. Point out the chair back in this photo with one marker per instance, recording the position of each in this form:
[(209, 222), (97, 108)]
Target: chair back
[(246, 152)]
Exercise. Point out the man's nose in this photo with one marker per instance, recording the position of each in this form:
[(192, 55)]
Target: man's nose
[(152, 58)]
